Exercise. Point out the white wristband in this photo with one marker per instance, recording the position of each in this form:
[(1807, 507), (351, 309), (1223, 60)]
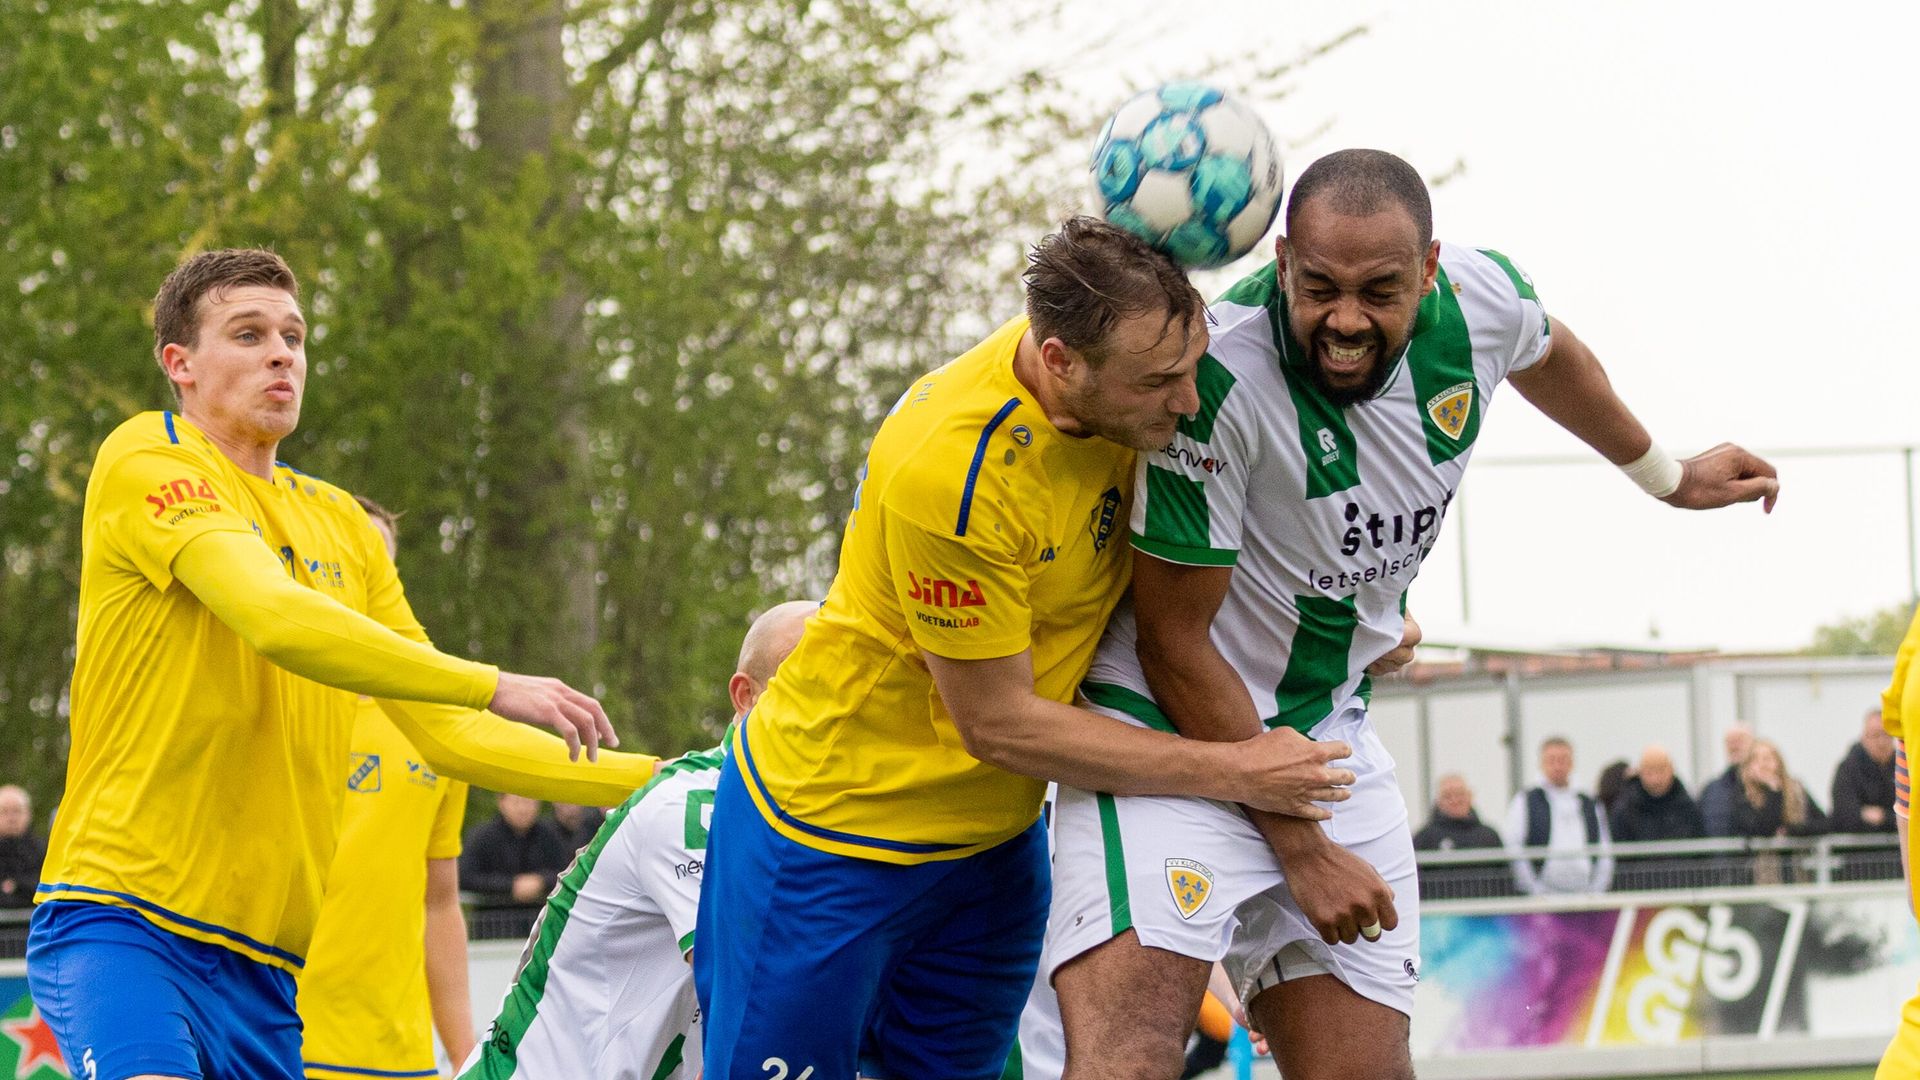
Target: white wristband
[(1655, 472)]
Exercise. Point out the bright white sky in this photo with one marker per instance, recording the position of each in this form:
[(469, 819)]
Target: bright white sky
[(1718, 197)]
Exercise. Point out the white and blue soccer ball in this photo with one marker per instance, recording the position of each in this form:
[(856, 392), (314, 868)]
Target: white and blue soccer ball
[(1190, 170)]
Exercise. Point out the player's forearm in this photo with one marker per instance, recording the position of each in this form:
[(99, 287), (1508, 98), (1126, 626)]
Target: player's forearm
[(447, 989), (313, 636), (1079, 748), (1207, 700), (497, 754), (1573, 390)]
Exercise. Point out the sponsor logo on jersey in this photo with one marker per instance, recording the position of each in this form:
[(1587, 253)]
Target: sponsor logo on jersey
[(1329, 446), (689, 869), (326, 572), (1023, 434), (365, 775), (174, 492), (1100, 524), (1412, 527), (1193, 459), (1190, 883), (940, 592), (1449, 408), (418, 773), (1413, 968)]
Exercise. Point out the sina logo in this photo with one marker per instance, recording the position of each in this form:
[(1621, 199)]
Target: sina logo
[(940, 592), (1100, 523)]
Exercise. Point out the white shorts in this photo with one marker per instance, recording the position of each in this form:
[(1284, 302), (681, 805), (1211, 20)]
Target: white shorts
[(1195, 877)]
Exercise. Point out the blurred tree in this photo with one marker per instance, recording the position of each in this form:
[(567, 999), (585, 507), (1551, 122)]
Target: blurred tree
[(607, 296), (1875, 634)]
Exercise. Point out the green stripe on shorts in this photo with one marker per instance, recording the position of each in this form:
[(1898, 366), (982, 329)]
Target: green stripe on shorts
[(1118, 903)]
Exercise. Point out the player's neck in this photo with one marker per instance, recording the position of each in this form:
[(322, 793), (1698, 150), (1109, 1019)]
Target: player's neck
[(1032, 374), (248, 452)]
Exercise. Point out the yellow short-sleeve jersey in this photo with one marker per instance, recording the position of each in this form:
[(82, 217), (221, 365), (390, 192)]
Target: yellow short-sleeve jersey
[(363, 994), (1902, 694), (202, 780), (978, 531)]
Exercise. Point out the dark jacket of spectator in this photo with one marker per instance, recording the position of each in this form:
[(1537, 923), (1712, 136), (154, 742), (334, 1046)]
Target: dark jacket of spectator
[(20, 859), (1639, 815), (1443, 833), (495, 855), (1860, 782), (1717, 801), (1769, 818)]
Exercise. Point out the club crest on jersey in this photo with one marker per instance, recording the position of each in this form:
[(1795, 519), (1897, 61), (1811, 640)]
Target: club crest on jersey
[(1449, 408), (1100, 522), (365, 777), (1191, 884)]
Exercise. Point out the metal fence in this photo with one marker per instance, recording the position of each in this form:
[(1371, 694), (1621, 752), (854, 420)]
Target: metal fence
[(1719, 862)]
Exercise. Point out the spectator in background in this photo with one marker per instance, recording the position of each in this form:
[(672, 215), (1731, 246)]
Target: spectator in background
[(1863, 784), (1720, 795), (578, 822), (1553, 815), (1455, 823), (1612, 780), (1772, 802), (21, 852), (1654, 804), (516, 856)]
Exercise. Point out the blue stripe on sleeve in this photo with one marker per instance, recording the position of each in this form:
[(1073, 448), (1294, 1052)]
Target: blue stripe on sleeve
[(979, 456)]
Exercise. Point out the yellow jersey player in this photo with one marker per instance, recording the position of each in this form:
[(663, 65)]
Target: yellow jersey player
[(230, 609), (388, 962), (1902, 699), (876, 874)]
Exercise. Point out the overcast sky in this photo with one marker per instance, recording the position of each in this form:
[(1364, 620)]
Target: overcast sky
[(1716, 196)]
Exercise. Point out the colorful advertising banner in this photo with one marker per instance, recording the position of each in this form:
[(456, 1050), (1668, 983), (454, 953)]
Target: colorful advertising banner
[(1664, 974)]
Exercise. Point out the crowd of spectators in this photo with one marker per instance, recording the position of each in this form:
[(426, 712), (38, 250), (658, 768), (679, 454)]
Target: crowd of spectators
[(1754, 796)]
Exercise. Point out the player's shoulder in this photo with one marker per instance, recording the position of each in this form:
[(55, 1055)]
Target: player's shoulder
[(154, 430), (1485, 278), (1241, 326), (672, 785)]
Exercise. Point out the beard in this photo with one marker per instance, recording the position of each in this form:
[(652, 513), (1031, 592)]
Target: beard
[(1348, 393), (1093, 417)]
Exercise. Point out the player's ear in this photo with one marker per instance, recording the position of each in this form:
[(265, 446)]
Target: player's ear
[(174, 361), (1431, 269), (1057, 358), (742, 692)]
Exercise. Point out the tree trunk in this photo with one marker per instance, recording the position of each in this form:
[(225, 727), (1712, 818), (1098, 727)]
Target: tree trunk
[(523, 119)]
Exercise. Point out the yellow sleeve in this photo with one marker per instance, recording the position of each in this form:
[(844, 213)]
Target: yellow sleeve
[(499, 755), (964, 597), (443, 842), (316, 637), (484, 749), (151, 501), (1894, 702)]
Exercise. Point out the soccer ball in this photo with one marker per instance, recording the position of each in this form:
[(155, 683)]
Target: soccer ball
[(1191, 171)]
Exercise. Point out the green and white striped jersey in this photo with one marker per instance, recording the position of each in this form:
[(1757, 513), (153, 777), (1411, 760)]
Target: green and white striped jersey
[(1325, 513), (604, 988)]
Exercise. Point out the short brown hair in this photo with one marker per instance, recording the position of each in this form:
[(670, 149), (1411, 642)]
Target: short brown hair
[(379, 513), (176, 318), (1087, 277)]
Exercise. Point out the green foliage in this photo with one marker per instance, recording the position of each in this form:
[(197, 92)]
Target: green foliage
[(1874, 634), (606, 298)]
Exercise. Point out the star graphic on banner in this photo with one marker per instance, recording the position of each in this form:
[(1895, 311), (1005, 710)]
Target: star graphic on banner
[(37, 1045)]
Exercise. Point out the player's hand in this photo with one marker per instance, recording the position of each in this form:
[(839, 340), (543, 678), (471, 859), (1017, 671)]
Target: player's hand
[(1338, 892), (1722, 476), (1287, 773), (1402, 654), (528, 888), (550, 703)]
